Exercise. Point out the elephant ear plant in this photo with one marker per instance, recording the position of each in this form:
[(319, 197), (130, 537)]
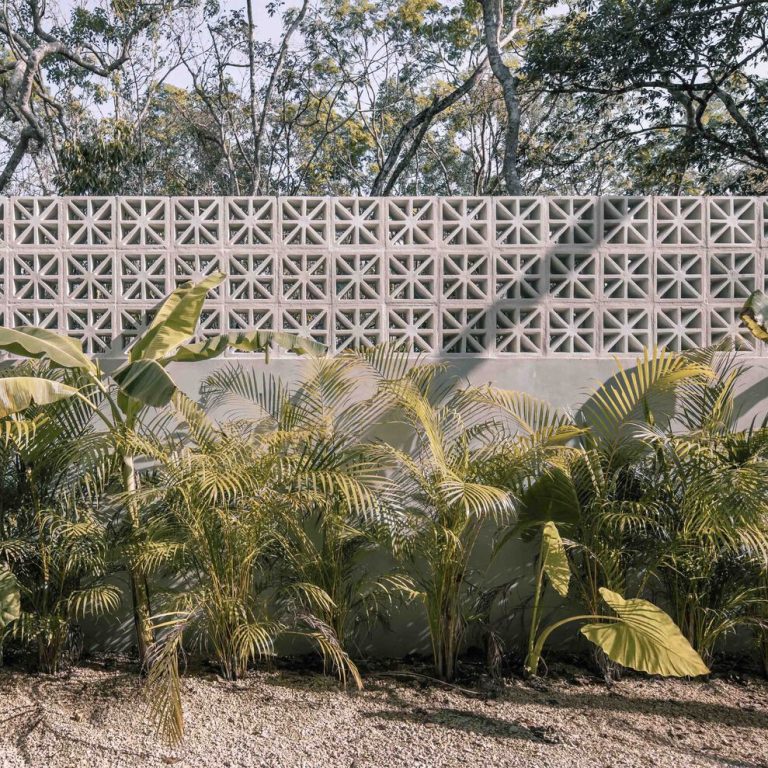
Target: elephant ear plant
[(638, 634), (141, 380)]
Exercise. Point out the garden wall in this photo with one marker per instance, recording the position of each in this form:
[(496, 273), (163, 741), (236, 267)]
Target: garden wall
[(538, 294)]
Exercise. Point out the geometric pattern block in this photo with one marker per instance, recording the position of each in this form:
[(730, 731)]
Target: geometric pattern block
[(679, 221), (680, 328), (413, 327), (358, 276), (625, 330), (92, 325), (36, 276), (196, 221), (412, 276), (35, 221), (251, 276), (572, 330), (410, 221), (463, 330), (725, 324), (626, 220), (251, 319), (305, 220), (305, 276), (356, 221), (679, 276), (573, 275), (250, 220), (89, 220), (519, 221), (626, 275), (465, 220), (519, 330), (519, 275), (194, 266), (466, 276), (572, 220), (142, 221), (732, 276), (143, 276), (89, 276), (307, 321), (732, 221), (357, 327)]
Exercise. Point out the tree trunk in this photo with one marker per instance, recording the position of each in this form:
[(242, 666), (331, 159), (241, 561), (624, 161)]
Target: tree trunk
[(492, 12)]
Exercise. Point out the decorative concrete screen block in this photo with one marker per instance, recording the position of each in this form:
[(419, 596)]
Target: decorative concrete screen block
[(456, 276)]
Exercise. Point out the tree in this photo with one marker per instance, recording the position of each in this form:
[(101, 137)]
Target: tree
[(689, 73)]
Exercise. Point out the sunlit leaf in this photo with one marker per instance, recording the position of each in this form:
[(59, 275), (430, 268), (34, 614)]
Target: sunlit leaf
[(175, 321), (555, 563), (10, 604), (644, 638), (145, 381), (251, 341), (40, 343), (17, 393)]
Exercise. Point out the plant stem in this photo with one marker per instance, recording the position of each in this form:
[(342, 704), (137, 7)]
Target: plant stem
[(139, 588)]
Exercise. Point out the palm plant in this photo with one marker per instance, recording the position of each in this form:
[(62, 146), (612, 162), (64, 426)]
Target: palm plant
[(597, 488), (710, 548), (231, 499), (141, 381), (445, 490), (317, 429), (53, 532)]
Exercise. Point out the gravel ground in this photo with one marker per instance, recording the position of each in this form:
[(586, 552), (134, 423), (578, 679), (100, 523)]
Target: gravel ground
[(96, 717)]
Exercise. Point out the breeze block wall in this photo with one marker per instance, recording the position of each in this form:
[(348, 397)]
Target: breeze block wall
[(530, 293), (478, 277)]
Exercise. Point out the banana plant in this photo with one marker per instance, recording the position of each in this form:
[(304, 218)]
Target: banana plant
[(141, 380), (638, 634)]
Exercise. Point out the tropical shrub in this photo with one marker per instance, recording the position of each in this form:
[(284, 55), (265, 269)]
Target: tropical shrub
[(55, 469), (227, 507), (639, 635), (141, 381), (318, 429)]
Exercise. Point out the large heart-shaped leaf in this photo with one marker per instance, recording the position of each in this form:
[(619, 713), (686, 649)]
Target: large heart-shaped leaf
[(175, 321), (555, 562), (145, 381), (644, 638), (252, 341), (10, 602), (754, 314), (17, 393), (40, 343)]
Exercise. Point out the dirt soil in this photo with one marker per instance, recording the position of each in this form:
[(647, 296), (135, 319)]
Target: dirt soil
[(97, 717)]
